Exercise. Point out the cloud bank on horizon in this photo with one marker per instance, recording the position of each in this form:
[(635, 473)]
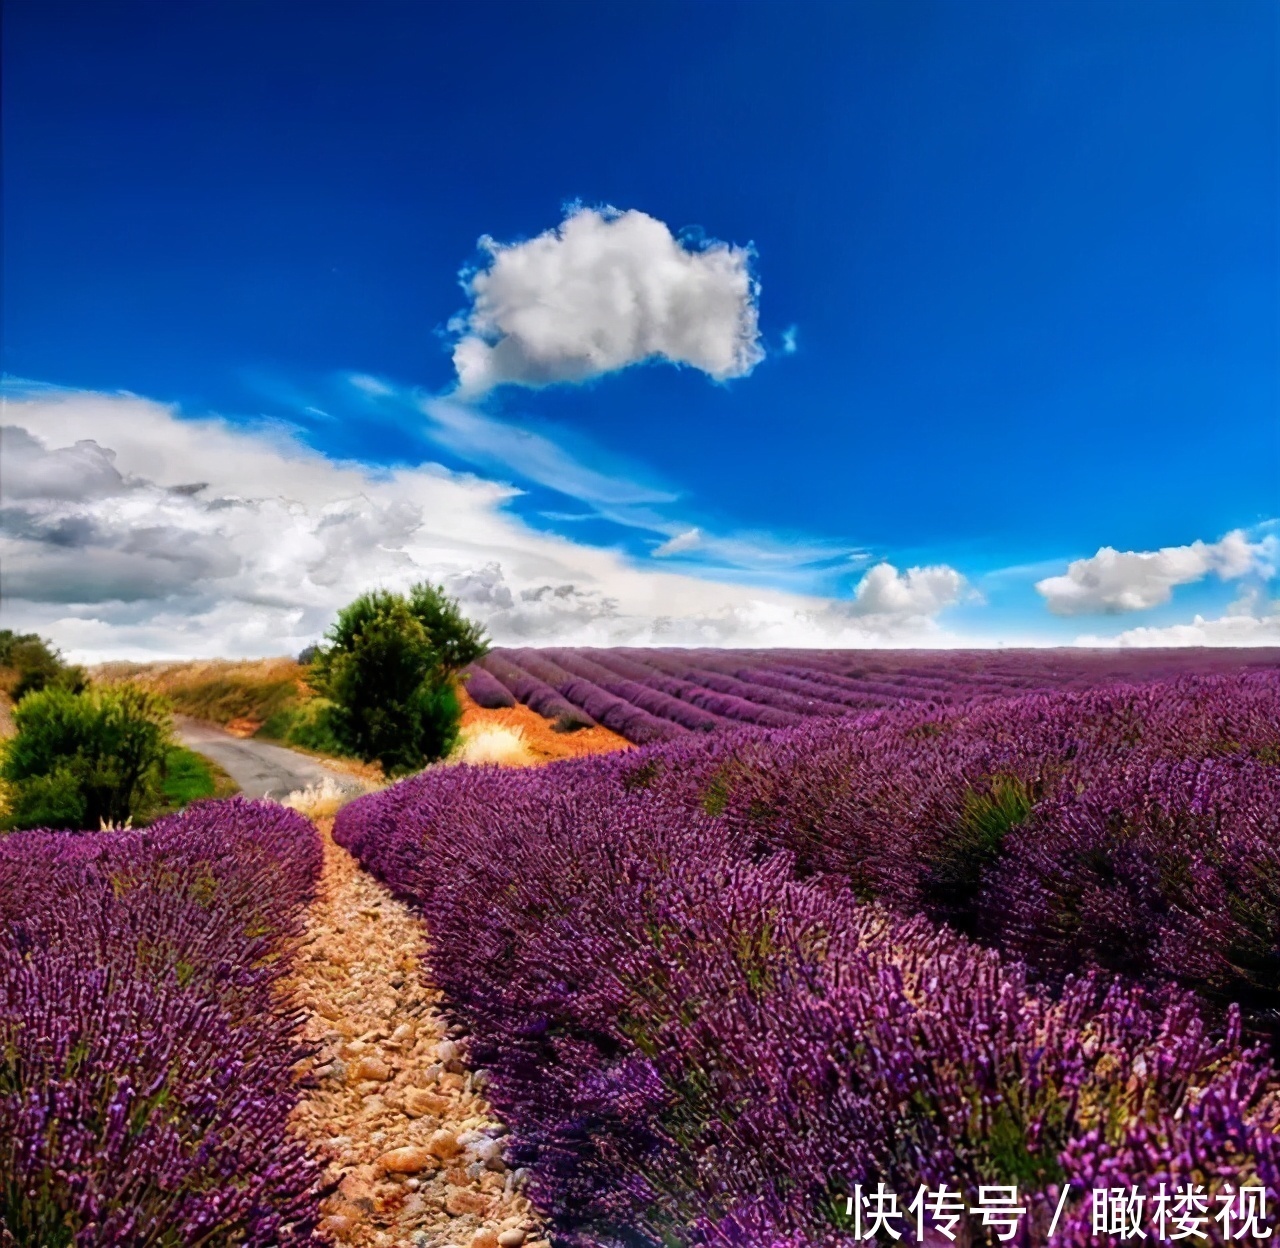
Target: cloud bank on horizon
[(129, 530)]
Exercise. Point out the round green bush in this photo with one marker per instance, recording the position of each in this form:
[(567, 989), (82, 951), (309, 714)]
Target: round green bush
[(83, 759)]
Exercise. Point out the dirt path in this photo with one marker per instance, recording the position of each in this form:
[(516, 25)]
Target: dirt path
[(258, 767), (394, 1111)]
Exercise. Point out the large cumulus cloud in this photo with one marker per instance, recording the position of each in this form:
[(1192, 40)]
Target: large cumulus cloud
[(605, 290)]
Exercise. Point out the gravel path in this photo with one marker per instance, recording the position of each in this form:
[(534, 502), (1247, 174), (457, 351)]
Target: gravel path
[(259, 768), (393, 1110)]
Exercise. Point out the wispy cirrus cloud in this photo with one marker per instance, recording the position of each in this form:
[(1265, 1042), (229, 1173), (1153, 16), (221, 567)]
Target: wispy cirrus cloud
[(490, 442), (524, 456)]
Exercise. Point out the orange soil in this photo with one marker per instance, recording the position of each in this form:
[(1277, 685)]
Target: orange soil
[(545, 744)]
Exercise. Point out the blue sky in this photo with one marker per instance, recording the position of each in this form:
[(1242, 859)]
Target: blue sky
[(1018, 284)]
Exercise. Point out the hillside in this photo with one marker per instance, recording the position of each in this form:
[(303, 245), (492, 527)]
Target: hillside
[(239, 694)]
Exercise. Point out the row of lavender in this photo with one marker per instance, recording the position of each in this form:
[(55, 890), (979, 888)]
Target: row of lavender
[(657, 695), (715, 994), (146, 1056), (1133, 828)]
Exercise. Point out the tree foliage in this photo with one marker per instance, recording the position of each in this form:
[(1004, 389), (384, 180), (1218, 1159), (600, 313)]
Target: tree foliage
[(456, 640), (33, 664), (81, 759), (387, 667)]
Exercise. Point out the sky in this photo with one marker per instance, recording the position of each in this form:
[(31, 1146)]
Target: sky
[(897, 323)]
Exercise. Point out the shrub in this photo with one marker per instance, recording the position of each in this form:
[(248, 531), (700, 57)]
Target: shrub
[(456, 640), (34, 665), (81, 759), (388, 670), (308, 725)]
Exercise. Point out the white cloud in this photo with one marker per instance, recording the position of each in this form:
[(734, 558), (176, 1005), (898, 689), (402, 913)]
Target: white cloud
[(127, 531), (1252, 620), (681, 543), (370, 385), (605, 290), (1115, 581), (917, 593), (483, 440), (614, 494)]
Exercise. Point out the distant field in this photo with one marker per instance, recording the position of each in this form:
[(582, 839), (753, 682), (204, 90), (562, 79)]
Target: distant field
[(657, 695)]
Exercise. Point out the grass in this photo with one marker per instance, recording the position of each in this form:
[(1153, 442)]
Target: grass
[(189, 776), (218, 690)]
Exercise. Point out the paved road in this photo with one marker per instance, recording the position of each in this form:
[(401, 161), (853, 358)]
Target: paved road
[(259, 768)]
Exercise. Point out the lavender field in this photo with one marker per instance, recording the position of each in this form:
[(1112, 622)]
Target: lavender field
[(753, 987), (726, 985), (146, 1056), (651, 695)]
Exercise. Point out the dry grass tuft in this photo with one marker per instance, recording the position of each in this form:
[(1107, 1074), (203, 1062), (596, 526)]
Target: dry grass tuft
[(494, 743), (321, 801), (543, 743)]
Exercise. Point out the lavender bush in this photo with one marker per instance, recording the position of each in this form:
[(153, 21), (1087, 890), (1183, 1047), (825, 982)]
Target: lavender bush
[(724, 979), (486, 690), (145, 1056)]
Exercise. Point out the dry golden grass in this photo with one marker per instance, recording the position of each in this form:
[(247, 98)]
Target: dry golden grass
[(493, 743), (242, 693), (321, 801)]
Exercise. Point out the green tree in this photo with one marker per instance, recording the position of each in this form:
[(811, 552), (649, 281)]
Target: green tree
[(33, 664), (456, 640), (388, 666), (80, 759)]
